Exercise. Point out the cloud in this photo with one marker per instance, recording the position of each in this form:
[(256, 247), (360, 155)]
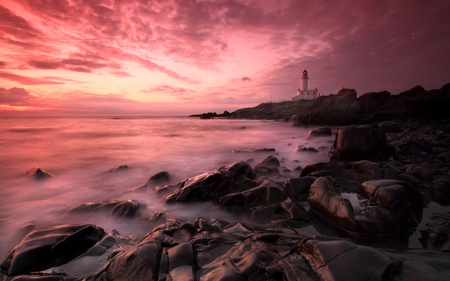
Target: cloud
[(27, 80), (13, 25), (2, 64), (180, 93), (15, 97), (246, 79)]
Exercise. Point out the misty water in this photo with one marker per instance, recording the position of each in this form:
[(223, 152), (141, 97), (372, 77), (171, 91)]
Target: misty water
[(80, 151)]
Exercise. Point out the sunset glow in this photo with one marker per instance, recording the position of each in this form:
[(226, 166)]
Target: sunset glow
[(148, 57)]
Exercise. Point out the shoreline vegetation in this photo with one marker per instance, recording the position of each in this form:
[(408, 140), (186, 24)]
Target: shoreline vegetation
[(389, 163)]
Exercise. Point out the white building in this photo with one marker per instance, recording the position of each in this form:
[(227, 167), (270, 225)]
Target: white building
[(303, 93)]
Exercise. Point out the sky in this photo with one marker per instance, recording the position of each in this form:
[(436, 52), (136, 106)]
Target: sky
[(178, 57)]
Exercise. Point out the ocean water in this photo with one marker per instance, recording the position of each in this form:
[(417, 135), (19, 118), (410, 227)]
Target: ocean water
[(80, 151)]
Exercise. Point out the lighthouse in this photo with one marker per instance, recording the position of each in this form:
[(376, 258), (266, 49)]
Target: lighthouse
[(304, 81), (303, 93)]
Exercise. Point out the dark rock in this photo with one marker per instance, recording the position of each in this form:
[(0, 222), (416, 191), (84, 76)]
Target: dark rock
[(121, 168), (397, 197), (115, 208), (45, 248), (412, 147), (329, 204), (390, 127), (137, 263), (347, 93), (329, 257), (299, 186), (38, 174), (323, 131), (213, 185), (304, 148), (264, 150), (361, 143), (334, 168), (160, 177)]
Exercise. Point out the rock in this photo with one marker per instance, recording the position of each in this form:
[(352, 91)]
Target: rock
[(38, 174), (163, 176), (121, 168), (268, 166), (213, 185), (304, 148), (367, 168), (264, 150), (319, 132), (299, 186), (329, 258), (390, 127), (361, 143), (329, 204), (334, 168), (49, 247), (397, 197), (347, 93), (440, 190), (412, 147), (137, 263), (115, 208)]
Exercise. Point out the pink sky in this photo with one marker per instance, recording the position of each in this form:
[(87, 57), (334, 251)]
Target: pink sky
[(139, 57)]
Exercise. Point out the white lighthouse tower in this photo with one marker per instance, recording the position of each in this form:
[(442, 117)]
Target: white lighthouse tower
[(303, 93), (304, 81)]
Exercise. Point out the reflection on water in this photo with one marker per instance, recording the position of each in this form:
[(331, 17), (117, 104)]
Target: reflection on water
[(79, 150)]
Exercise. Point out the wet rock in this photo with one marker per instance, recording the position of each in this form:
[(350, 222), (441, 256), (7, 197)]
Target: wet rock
[(45, 248), (319, 132), (412, 147), (329, 204), (299, 187), (355, 143), (264, 150), (329, 258), (367, 168), (163, 176), (334, 168), (397, 197), (115, 208), (213, 185), (119, 169), (38, 174), (268, 166), (137, 263), (304, 148)]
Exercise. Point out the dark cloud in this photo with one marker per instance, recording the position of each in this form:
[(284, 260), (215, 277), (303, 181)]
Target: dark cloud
[(27, 80), (246, 79), (2, 64), (15, 97), (45, 64), (11, 24)]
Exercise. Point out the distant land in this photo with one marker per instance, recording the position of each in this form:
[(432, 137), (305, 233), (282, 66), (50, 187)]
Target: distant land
[(345, 108)]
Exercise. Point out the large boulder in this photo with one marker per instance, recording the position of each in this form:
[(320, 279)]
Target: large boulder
[(331, 205), (49, 247), (212, 185), (114, 208), (365, 142), (396, 196)]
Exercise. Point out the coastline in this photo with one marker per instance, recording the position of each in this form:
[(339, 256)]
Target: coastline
[(377, 227)]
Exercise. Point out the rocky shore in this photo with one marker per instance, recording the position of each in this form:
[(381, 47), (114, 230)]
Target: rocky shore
[(345, 108), (366, 214)]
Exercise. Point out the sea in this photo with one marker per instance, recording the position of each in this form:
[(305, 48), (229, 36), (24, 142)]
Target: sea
[(81, 151)]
